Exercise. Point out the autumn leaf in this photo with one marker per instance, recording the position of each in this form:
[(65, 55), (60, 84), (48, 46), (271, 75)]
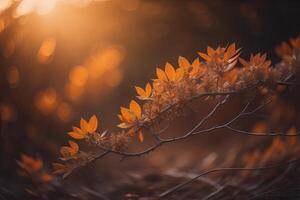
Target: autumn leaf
[(210, 51), (136, 109), (204, 56), (85, 128), (130, 116), (179, 74), (231, 76), (77, 133), (59, 168), (30, 164), (170, 71), (170, 74), (144, 94), (183, 63), (84, 125), (127, 115), (69, 151), (92, 124), (89, 126), (161, 75), (197, 68)]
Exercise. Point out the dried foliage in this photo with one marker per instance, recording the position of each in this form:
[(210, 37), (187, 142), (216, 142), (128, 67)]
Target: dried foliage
[(216, 76)]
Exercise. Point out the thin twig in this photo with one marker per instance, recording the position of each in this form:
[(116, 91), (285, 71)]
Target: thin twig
[(168, 192)]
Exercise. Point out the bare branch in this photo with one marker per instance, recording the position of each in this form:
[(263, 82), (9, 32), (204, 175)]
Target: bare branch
[(172, 190)]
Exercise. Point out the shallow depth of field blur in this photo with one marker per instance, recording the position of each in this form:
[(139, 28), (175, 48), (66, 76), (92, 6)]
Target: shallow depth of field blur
[(61, 60)]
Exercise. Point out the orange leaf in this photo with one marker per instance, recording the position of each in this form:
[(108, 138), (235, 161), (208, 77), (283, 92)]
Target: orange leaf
[(135, 108), (170, 71), (74, 147), (84, 125), (140, 91), (229, 52), (183, 62), (31, 163), (161, 74), (59, 168), (204, 56), (64, 151), (127, 115), (196, 63), (210, 51), (93, 124), (179, 74), (231, 76), (76, 135), (125, 125), (148, 90), (144, 94)]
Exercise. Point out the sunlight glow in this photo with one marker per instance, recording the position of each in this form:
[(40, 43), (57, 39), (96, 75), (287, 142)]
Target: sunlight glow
[(46, 50), (43, 7), (4, 4)]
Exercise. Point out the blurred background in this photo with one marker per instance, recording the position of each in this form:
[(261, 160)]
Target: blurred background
[(61, 60)]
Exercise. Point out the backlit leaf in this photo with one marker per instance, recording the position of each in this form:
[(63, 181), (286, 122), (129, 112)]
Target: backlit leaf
[(76, 135), (183, 63), (170, 71), (84, 125), (204, 56), (161, 74), (93, 124), (135, 108), (127, 115), (74, 148)]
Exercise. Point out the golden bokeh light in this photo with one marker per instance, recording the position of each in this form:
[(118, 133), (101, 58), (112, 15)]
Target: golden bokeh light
[(13, 76), (113, 78), (78, 76), (73, 92), (9, 48), (46, 101), (41, 7), (4, 4), (100, 70), (46, 50), (8, 112), (64, 112), (104, 60)]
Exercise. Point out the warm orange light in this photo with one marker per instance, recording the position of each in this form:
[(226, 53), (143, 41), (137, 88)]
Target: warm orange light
[(130, 5), (78, 76), (45, 6), (104, 60), (4, 4), (42, 7), (2, 25), (9, 48), (46, 50), (13, 76), (73, 92), (7, 112), (64, 112), (46, 101), (113, 77)]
